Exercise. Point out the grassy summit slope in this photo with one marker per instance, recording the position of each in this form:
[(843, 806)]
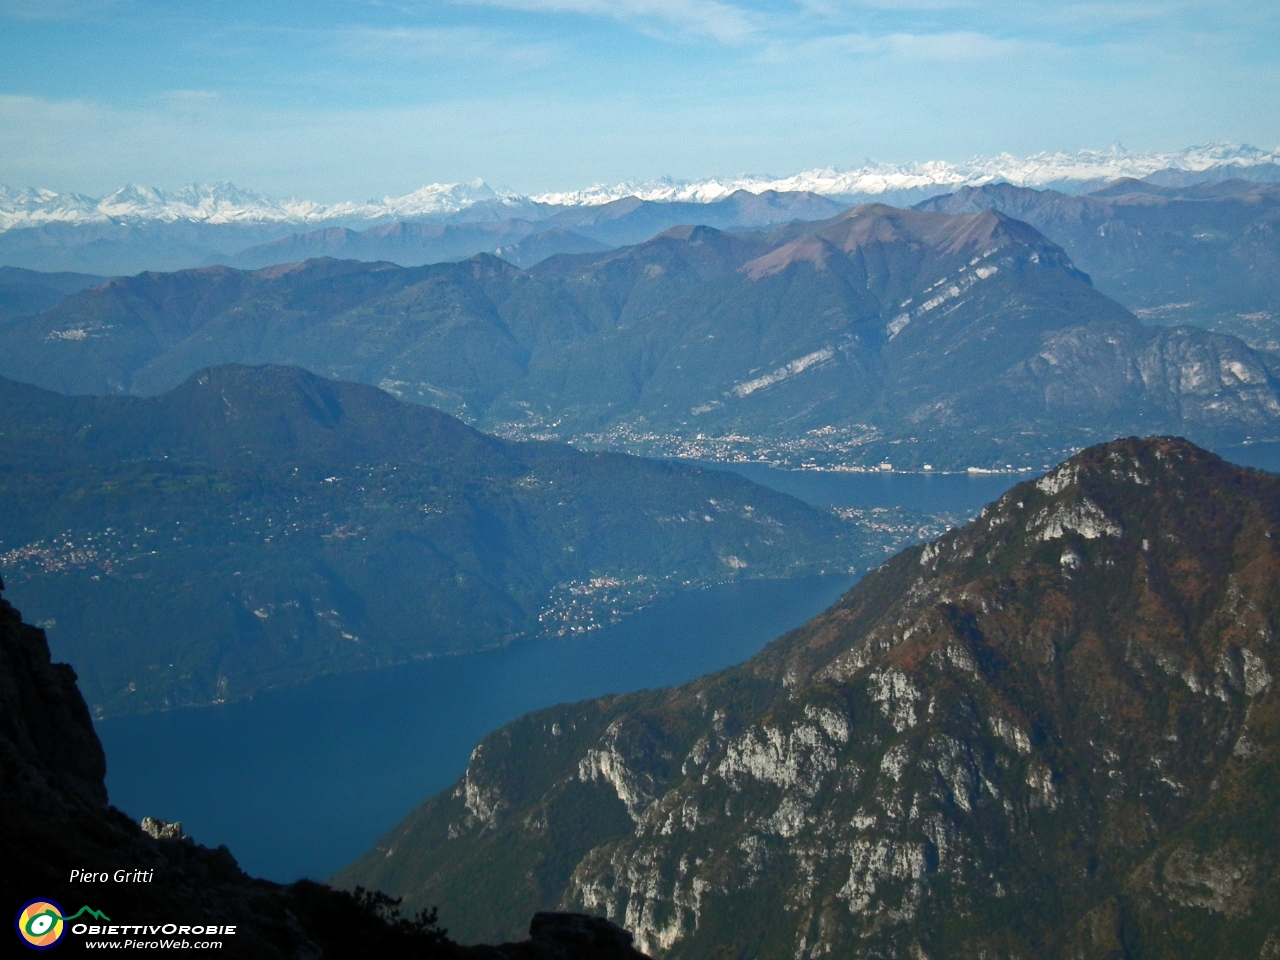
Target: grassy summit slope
[(1051, 733)]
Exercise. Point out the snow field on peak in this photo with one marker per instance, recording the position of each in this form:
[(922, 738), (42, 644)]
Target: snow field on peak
[(225, 203)]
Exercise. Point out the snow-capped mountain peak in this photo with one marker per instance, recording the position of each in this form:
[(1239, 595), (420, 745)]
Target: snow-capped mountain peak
[(226, 203)]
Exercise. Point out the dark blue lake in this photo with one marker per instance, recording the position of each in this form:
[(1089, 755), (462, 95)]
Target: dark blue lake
[(1264, 455), (957, 493), (299, 782)]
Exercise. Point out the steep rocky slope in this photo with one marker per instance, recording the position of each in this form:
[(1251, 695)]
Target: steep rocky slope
[(1206, 254), (57, 819), (1051, 733)]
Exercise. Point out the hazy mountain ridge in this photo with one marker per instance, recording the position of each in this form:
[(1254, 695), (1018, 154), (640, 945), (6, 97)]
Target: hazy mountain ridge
[(1207, 254), (142, 228), (1050, 733), (27, 292), (591, 229), (950, 339), (255, 528)]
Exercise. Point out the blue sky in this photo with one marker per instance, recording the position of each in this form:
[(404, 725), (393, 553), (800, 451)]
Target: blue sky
[(349, 99)]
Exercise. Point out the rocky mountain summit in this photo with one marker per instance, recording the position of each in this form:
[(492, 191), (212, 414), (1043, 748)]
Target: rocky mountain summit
[(57, 818), (1205, 254), (1052, 733)]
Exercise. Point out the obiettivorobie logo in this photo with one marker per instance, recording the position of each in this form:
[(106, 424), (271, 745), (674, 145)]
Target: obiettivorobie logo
[(42, 926)]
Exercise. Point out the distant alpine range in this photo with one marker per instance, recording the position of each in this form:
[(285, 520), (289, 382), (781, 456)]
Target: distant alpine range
[(144, 228), (226, 203)]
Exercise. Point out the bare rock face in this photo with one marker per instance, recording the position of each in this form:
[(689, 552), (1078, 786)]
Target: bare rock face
[(49, 753), (159, 829), (1052, 733)]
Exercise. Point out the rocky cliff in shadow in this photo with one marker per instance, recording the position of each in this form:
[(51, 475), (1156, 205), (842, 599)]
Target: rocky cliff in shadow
[(56, 819)]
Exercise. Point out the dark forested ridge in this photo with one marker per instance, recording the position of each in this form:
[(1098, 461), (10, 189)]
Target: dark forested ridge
[(918, 337), (257, 527), (1052, 733)]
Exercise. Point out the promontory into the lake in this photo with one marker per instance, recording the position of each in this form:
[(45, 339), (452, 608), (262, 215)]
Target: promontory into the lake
[(258, 527)]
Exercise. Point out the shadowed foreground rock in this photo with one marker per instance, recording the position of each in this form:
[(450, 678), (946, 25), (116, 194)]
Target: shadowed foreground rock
[(56, 818)]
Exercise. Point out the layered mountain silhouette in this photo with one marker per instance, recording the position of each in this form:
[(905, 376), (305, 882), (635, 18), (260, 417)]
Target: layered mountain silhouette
[(1206, 254), (526, 231), (520, 242), (950, 339), (1051, 733), (26, 292), (525, 242), (115, 247), (259, 527)]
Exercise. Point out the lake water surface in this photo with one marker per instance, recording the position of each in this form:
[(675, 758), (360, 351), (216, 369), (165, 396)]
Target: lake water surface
[(299, 782)]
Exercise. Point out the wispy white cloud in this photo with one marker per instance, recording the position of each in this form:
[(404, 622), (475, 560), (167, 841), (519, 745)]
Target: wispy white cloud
[(705, 18), (347, 104), (942, 47), (1013, 16), (908, 50)]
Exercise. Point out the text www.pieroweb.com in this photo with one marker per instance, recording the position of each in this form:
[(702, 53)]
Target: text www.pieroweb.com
[(153, 944), (167, 940)]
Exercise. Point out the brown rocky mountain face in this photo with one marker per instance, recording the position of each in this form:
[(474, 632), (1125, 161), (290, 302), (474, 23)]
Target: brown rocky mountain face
[(1052, 733), (56, 818)]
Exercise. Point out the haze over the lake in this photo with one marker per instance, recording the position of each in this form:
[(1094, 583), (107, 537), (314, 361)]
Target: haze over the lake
[(338, 100)]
